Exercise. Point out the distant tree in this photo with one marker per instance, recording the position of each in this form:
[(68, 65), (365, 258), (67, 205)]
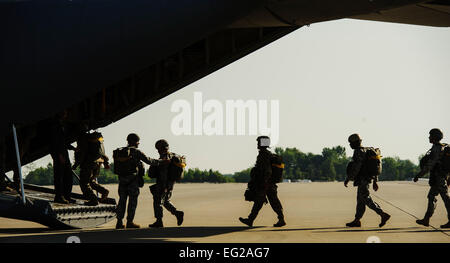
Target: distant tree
[(40, 176), (330, 165), (242, 176)]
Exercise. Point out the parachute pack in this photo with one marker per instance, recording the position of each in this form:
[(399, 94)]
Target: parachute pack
[(175, 168), (91, 146), (371, 167), (277, 168), (373, 163), (445, 159), (124, 163)]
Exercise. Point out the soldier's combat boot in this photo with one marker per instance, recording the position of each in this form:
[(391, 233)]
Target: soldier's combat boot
[(446, 225), (70, 200), (280, 223), (158, 223), (180, 217), (61, 200), (92, 202), (384, 218), (425, 221), (246, 221), (354, 223), (132, 225), (119, 224), (104, 196)]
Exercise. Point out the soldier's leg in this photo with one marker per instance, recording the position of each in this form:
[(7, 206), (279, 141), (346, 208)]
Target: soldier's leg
[(157, 193), (368, 201), (57, 178), (446, 198), (274, 201), (167, 204), (121, 205), (67, 179), (133, 192), (373, 205), (16, 179), (93, 181), (360, 201), (434, 191), (85, 174), (257, 205), (170, 207)]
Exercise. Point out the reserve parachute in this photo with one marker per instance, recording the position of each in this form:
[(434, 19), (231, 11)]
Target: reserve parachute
[(277, 168), (371, 167), (175, 168), (373, 163), (445, 159), (95, 147)]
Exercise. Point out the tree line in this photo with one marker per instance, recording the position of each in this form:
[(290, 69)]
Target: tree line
[(330, 165)]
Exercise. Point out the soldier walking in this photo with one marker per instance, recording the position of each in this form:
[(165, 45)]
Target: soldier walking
[(62, 170), (263, 185), (90, 155), (439, 181), (162, 190), (358, 172), (127, 161)]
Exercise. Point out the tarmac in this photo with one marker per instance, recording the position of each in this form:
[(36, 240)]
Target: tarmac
[(315, 213)]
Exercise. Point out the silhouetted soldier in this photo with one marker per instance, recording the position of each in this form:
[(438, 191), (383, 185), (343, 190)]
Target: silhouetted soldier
[(439, 181), (91, 156), (127, 161), (358, 172), (162, 190), (263, 185), (62, 169)]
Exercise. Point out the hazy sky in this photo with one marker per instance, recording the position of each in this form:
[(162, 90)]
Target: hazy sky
[(388, 82)]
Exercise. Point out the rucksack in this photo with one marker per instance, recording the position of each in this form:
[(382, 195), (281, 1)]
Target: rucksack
[(153, 171), (176, 167), (124, 163), (175, 170), (94, 146), (277, 168), (372, 163), (445, 159)]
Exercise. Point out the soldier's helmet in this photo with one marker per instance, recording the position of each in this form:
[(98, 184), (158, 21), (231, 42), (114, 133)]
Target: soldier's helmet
[(436, 134), (354, 138), (263, 141), (161, 144), (133, 137)]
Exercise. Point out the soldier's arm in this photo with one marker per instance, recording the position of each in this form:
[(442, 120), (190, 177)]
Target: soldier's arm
[(358, 159), (142, 157), (264, 167), (432, 161)]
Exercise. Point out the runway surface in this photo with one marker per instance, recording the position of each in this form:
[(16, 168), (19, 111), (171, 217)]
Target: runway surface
[(315, 213)]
